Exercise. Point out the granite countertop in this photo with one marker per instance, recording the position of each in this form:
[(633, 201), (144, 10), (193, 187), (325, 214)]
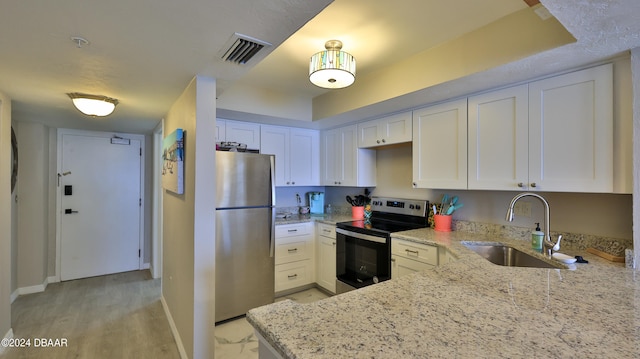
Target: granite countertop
[(303, 218), (467, 308)]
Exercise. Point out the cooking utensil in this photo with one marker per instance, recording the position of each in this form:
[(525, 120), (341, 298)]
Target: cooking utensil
[(453, 208), (350, 200), (445, 199)]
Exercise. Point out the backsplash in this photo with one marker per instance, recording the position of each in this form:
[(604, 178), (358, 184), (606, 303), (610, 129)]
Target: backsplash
[(571, 241)]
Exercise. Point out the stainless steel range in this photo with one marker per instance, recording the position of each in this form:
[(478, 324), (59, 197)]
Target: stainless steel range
[(364, 246)]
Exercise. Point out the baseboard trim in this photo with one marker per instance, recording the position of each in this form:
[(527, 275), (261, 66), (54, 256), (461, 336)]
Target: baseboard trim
[(9, 335), (32, 289), (174, 329), (14, 295), (146, 266)]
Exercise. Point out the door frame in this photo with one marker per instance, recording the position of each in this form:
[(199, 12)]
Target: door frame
[(157, 211), (64, 131)]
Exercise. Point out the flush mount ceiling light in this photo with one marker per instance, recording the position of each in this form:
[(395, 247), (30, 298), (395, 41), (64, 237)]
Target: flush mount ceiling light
[(93, 105), (332, 68)]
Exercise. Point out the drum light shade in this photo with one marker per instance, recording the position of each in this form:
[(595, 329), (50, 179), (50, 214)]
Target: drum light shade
[(332, 68), (93, 105)]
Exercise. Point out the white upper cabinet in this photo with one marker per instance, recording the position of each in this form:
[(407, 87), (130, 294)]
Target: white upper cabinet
[(440, 146), (554, 134), (243, 132), (385, 131), (297, 153), (499, 139), (343, 163), (571, 132), (220, 130)]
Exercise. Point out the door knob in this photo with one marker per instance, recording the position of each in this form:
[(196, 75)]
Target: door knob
[(69, 211)]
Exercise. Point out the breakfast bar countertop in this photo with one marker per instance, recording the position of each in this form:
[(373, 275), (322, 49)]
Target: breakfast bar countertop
[(468, 307)]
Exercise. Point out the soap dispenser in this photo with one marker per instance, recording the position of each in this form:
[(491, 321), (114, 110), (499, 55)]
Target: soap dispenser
[(536, 239)]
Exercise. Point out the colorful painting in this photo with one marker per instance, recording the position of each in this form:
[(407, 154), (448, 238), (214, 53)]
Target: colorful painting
[(173, 162)]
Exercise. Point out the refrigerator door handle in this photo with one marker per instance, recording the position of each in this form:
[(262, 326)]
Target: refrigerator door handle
[(272, 235), (272, 159)]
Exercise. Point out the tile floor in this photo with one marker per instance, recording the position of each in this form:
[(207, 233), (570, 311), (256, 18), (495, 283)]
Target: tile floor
[(236, 340)]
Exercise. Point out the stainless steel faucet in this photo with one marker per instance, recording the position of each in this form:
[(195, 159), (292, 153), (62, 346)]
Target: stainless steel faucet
[(547, 245)]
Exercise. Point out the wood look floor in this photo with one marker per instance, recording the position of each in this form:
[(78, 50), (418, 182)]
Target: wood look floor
[(114, 316)]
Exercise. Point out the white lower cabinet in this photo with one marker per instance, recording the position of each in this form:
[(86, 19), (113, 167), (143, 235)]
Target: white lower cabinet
[(294, 256), (326, 256), (408, 257)]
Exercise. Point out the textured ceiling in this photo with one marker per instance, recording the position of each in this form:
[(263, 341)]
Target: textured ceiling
[(145, 52)]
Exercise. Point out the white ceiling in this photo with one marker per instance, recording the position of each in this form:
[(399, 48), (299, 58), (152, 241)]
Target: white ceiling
[(145, 52)]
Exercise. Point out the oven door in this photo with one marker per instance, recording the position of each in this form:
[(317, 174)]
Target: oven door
[(361, 259)]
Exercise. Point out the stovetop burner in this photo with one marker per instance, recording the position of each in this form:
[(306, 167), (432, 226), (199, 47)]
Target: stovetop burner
[(391, 215)]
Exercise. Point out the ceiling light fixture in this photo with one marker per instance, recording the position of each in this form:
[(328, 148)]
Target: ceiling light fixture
[(93, 105), (332, 68)]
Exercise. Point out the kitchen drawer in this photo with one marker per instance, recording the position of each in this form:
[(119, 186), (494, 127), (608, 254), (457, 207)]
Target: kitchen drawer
[(290, 230), (292, 275), (416, 251), (293, 251), (327, 230)]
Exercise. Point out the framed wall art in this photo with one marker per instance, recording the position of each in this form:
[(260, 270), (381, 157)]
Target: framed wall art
[(173, 162)]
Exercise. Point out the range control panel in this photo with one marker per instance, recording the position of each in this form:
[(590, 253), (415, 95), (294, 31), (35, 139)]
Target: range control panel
[(410, 207)]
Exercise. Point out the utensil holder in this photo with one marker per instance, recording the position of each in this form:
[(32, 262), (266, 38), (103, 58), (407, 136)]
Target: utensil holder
[(442, 223), (357, 212)]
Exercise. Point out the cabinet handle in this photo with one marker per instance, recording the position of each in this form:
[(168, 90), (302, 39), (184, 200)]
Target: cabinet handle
[(288, 182), (292, 250), (334, 243), (533, 184), (293, 183), (414, 184), (520, 184), (378, 141), (326, 230), (292, 230), (412, 252), (383, 140), (293, 276)]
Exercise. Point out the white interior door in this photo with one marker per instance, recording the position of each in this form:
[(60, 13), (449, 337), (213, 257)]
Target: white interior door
[(100, 200)]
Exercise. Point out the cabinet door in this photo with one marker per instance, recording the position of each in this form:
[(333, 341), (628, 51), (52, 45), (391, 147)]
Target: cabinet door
[(498, 140), (440, 146), (571, 132), (397, 128), (243, 132), (347, 169), (329, 161), (326, 272), (275, 141), (369, 134), (304, 157), (402, 266), (220, 130)]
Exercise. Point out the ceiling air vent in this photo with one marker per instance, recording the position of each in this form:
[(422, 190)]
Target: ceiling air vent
[(241, 48)]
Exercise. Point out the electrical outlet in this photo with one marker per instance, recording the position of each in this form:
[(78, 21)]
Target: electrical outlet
[(522, 208)]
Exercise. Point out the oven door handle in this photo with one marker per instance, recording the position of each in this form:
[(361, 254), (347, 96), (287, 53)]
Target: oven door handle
[(365, 237)]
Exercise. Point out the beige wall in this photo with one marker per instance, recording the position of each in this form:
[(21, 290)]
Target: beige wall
[(607, 215), (188, 223), (5, 216), (33, 199), (635, 74)]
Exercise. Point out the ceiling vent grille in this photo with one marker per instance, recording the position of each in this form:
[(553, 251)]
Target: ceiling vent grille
[(241, 48)]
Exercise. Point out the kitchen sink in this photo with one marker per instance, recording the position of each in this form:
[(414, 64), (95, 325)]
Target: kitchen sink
[(508, 256)]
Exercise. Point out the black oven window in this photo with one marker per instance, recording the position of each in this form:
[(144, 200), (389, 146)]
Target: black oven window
[(361, 263)]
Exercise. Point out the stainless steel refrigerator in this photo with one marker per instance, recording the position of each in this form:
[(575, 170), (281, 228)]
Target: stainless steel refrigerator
[(245, 232)]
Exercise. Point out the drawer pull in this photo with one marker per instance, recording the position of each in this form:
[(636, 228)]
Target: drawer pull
[(326, 230), (292, 276), (292, 230), (411, 252), (292, 250)]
